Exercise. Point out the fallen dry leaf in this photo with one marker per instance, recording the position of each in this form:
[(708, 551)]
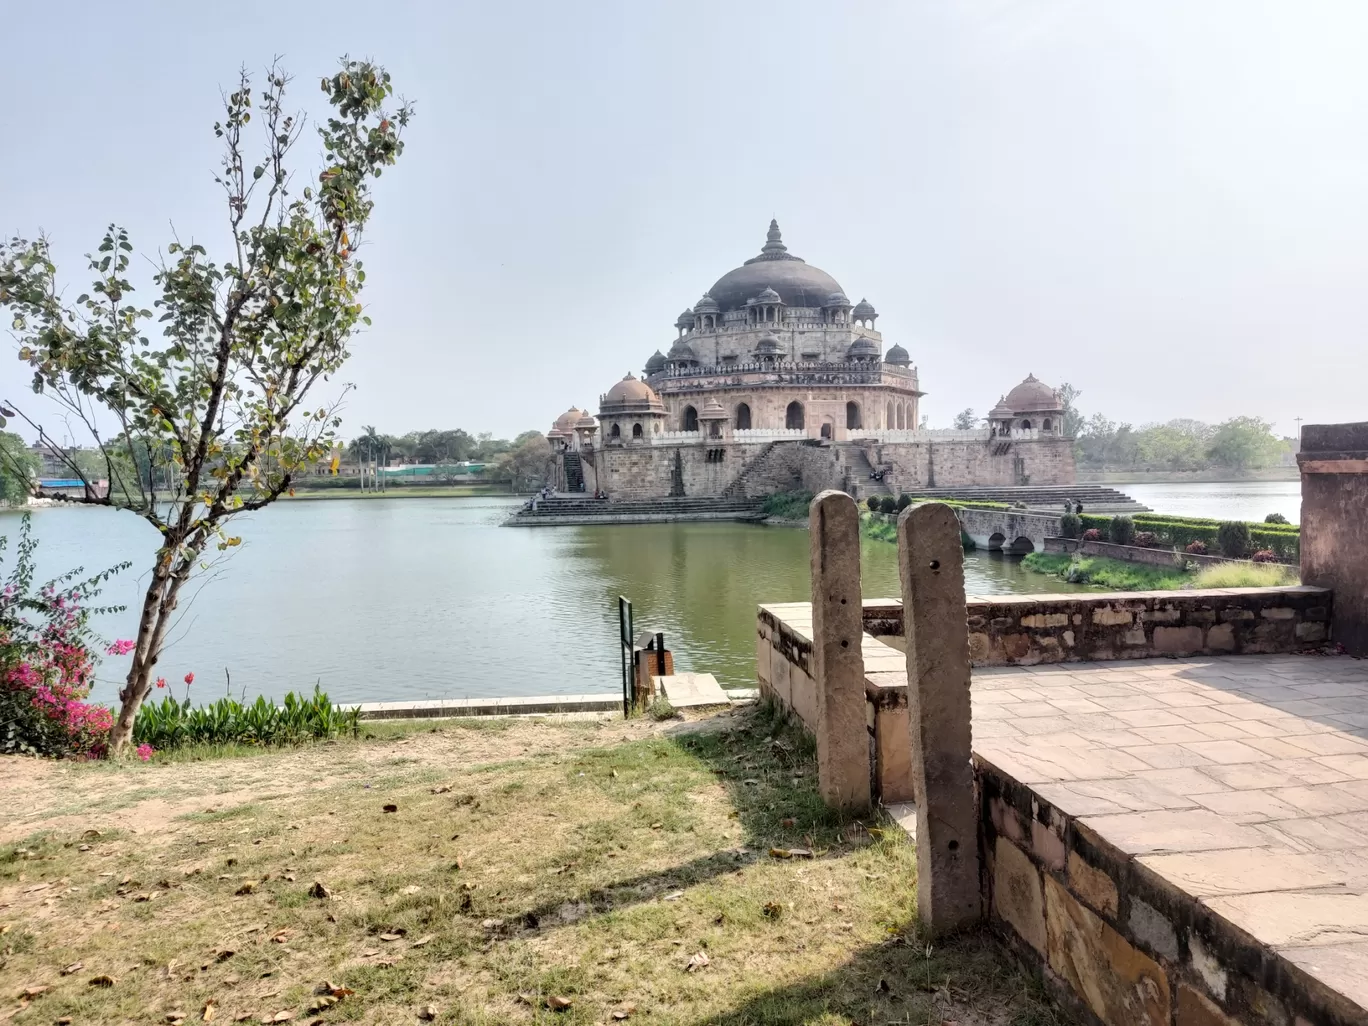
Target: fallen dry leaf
[(278, 1017), (281, 937), (390, 808), (801, 853), (427, 1013), (441, 790), (699, 961), (781, 853), (788, 821), (74, 967), (248, 886), (411, 889), (32, 992), (318, 890), (423, 940), (103, 980), (557, 1003), (209, 1011), (625, 1012), (391, 936), (674, 896)]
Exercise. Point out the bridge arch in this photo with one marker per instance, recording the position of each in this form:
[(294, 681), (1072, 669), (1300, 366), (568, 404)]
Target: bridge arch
[(1022, 546), (996, 540)]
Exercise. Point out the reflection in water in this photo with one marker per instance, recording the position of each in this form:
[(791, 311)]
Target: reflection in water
[(389, 599)]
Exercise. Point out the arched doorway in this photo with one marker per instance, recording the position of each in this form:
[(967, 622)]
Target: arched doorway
[(826, 430), (616, 432), (1026, 424), (793, 416), (690, 419), (743, 417), (1045, 425), (853, 415), (636, 431)]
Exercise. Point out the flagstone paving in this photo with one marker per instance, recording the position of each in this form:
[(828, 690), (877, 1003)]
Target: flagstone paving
[(1241, 780)]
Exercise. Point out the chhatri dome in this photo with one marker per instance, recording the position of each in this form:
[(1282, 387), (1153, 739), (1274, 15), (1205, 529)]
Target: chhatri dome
[(1032, 395), (793, 280)]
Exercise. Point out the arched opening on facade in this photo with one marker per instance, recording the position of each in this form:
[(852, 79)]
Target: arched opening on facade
[(1045, 424), (690, 419), (1026, 424), (636, 431), (1022, 546), (899, 415), (853, 415), (743, 417), (616, 432), (793, 416), (996, 541), (888, 416), (714, 429), (826, 430)]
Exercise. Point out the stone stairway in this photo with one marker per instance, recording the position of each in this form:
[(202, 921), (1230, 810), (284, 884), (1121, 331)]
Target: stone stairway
[(560, 510), (768, 472), (858, 467), (574, 472)]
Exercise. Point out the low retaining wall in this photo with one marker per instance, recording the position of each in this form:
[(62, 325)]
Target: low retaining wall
[(1023, 630), (1132, 553), (1119, 941)]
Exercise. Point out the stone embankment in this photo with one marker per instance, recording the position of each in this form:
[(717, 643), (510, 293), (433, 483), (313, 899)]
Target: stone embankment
[(566, 510)]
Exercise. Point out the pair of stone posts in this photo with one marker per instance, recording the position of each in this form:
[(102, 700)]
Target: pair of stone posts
[(931, 571)]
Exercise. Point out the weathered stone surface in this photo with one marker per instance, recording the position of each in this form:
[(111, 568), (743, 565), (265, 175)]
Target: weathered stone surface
[(1177, 640), (1120, 984), (1196, 1009), (1108, 617), (1047, 845), (1017, 897), (1208, 967), (1221, 638), (762, 657), (1092, 885), (1310, 631), (931, 569), (1149, 926), (838, 665), (893, 756)]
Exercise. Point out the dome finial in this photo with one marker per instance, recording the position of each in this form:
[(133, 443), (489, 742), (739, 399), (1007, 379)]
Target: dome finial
[(774, 241)]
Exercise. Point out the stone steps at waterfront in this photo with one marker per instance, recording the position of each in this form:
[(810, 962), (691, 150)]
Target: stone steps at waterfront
[(565, 510)]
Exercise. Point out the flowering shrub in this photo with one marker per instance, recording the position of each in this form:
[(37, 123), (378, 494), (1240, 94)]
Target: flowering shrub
[(1196, 548), (1092, 534), (47, 660), (1265, 556), (1145, 539)]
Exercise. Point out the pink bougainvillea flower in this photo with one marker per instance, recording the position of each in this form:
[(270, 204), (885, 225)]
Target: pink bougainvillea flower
[(120, 648), (161, 682), (145, 751), (189, 678)]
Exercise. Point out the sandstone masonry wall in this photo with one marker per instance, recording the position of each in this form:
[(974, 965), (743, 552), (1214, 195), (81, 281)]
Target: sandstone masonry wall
[(1118, 943)]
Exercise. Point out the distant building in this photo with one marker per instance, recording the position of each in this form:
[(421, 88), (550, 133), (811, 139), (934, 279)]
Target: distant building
[(777, 380)]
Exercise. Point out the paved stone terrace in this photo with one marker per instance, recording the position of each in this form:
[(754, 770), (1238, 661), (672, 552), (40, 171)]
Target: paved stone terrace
[(1240, 780)]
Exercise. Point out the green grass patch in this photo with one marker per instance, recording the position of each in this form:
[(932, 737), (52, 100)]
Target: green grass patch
[(1108, 574), (788, 505), (1245, 575)]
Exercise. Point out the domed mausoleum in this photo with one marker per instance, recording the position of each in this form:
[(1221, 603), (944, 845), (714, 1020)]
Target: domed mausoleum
[(775, 378)]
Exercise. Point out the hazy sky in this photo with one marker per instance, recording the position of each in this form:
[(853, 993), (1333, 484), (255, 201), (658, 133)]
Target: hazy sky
[(1165, 203)]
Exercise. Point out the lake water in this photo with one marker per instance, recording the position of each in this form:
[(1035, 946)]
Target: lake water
[(392, 599), (1241, 500)]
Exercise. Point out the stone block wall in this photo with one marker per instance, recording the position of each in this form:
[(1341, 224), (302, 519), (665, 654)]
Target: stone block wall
[(1023, 630), (1118, 943), (1334, 547)]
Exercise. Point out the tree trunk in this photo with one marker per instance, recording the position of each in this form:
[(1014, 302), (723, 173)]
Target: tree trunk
[(158, 603)]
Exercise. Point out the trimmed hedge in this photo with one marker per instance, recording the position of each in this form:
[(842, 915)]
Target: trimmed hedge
[(1179, 532)]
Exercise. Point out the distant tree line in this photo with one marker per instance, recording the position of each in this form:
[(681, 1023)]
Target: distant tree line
[(523, 460), (1240, 443)]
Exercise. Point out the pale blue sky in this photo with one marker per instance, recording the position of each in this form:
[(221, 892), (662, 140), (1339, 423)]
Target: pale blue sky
[(1165, 203)]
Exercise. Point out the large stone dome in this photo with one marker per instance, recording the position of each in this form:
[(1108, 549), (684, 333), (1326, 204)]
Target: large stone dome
[(797, 282), (1032, 395)]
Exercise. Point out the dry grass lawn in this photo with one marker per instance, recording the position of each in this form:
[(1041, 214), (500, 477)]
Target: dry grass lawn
[(567, 872)]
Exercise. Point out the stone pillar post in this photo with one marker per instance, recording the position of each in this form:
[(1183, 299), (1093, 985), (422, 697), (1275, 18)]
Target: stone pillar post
[(1334, 532), (931, 569), (837, 662)]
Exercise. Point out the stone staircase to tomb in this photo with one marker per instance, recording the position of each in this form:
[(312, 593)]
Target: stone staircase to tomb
[(574, 472), (768, 472), (858, 465)]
